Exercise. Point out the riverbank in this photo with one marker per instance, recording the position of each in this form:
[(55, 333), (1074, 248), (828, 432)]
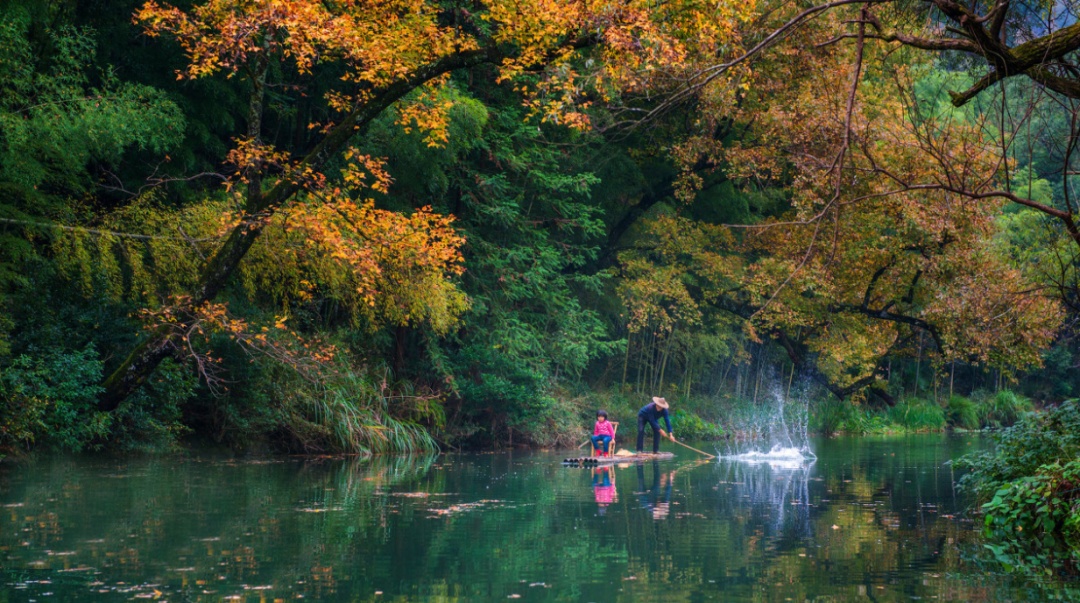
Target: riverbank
[(709, 418)]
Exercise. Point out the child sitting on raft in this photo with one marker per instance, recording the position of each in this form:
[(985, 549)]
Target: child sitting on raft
[(603, 433)]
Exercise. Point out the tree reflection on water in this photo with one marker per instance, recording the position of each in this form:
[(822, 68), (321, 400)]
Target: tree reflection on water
[(869, 518)]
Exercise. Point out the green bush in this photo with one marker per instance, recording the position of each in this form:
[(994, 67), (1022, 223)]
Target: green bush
[(1033, 523), (689, 426), (1037, 439), (1041, 507), (151, 420), (50, 398)]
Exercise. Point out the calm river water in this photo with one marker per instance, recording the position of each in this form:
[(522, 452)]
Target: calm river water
[(871, 520)]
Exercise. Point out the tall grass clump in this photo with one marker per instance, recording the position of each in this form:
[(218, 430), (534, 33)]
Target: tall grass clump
[(962, 413), (354, 412), (1003, 409), (831, 416), (917, 415)]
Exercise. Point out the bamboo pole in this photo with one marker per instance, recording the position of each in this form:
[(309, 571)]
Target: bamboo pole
[(694, 450)]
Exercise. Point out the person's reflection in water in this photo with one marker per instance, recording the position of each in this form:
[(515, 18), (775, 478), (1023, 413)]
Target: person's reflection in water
[(651, 498), (603, 481)]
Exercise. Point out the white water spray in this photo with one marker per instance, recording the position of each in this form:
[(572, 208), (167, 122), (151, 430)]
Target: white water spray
[(775, 433)]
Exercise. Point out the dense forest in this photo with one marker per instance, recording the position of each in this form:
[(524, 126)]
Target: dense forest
[(383, 226)]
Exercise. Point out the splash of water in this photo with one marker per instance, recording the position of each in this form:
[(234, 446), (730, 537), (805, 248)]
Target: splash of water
[(778, 457), (776, 432)]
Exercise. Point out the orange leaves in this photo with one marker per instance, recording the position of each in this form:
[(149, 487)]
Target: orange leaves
[(880, 240), (224, 35), (641, 45), (428, 113), (364, 171), (193, 328), (249, 156), (383, 266)]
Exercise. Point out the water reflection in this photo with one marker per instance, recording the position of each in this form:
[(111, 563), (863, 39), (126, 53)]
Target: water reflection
[(871, 519), (604, 488), (775, 494), (656, 499)]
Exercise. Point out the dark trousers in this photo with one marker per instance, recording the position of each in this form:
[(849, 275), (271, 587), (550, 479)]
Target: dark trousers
[(641, 421)]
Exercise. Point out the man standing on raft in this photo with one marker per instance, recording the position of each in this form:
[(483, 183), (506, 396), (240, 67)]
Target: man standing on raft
[(651, 413)]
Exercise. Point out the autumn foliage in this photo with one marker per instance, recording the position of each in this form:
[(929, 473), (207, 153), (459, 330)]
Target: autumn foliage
[(885, 247)]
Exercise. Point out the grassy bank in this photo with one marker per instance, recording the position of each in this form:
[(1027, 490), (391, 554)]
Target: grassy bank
[(917, 415)]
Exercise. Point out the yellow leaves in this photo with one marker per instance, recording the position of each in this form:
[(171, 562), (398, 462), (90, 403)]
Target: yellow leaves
[(363, 171), (428, 112), (251, 155), (656, 288), (383, 266)]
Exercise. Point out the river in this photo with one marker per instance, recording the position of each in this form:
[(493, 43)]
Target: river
[(872, 519)]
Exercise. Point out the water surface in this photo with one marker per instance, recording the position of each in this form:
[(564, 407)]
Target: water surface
[(873, 519)]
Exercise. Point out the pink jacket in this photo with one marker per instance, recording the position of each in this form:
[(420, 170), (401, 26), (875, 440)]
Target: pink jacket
[(604, 428)]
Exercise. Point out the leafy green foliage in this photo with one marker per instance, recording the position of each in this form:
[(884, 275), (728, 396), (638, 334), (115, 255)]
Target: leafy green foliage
[(1034, 522), (692, 427), (523, 206), (153, 419), (1037, 439), (58, 117), (51, 397)]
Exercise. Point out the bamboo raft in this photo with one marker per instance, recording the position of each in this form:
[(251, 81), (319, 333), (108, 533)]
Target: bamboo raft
[(615, 458)]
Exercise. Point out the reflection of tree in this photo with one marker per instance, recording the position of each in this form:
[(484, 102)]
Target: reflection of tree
[(211, 525), (473, 528)]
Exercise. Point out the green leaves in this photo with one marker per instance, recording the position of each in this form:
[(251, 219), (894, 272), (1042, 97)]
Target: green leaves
[(1032, 516)]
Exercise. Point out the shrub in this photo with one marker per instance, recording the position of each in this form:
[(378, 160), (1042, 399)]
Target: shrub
[(689, 426), (151, 420), (1033, 523), (1037, 439), (1043, 507), (51, 398)]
